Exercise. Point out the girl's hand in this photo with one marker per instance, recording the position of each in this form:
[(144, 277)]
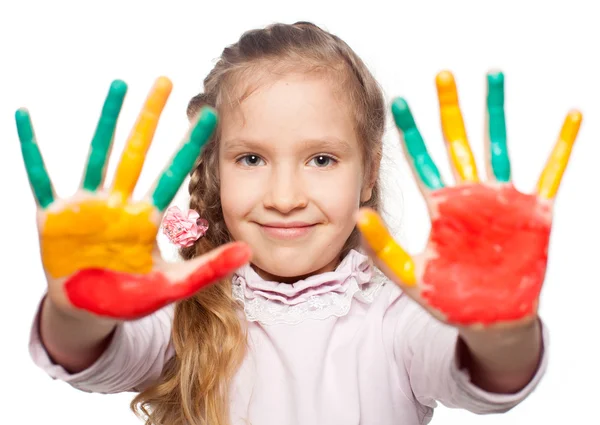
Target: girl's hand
[(99, 247), (486, 257)]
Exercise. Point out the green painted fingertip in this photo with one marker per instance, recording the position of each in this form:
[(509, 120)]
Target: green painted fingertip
[(205, 126), (118, 86), (499, 157), (104, 134), (32, 157), (24, 128), (402, 115), (495, 97), (496, 76), (415, 146), (183, 162), (114, 100)]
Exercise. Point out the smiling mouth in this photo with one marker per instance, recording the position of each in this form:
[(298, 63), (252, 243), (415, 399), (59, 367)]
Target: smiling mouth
[(287, 230)]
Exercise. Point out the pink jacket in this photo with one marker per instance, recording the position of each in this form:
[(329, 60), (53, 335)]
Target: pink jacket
[(344, 347)]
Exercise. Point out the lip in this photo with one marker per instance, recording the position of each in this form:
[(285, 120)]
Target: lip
[(290, 230), (288, 225)]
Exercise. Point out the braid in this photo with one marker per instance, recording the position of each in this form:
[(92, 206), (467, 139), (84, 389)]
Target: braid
[(195, 188)]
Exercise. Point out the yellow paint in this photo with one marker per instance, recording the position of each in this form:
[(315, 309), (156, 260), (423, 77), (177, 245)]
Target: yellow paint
[(551, 177), (453, 128), (96, 234), (385, 247), (132, 160)]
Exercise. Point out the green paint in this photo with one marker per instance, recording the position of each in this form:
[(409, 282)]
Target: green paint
[(183, 162), (34, 163), (104, 134), (497, 127), (415, 145)]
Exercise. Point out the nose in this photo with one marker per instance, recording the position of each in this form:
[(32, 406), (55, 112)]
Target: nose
[(286, 191)]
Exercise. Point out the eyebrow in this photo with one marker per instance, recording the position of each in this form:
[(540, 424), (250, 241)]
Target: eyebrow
[(325, 144), (328, 144)]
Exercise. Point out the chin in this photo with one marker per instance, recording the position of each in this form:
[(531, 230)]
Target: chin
[(292, 264)]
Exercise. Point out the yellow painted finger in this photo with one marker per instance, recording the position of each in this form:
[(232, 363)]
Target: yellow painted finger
[(385, 247), (551, 176), (132, 160), (453, 127)]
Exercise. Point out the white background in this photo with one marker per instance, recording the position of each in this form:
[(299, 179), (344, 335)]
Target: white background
[(58, 59)]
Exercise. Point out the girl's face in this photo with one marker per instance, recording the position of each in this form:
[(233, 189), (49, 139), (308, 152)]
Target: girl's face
[(292, 175)]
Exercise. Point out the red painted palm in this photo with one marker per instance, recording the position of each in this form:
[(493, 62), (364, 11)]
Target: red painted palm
[(486, 257)]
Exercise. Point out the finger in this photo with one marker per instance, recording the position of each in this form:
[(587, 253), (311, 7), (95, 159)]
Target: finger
[(103, 137), (423, 166), (182, 163), (134, 154), (191, 276), (385, 247), (496, 128), (127, 296), (34, 163), (453, 128), (552, 174)]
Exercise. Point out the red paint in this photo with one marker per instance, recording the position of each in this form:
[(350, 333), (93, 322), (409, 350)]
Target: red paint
[(490, 253), (128, 296)]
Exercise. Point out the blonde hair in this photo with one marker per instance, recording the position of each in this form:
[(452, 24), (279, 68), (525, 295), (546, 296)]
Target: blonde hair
[(208, 335)]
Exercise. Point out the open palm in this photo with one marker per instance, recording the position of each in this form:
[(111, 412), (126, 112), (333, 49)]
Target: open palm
[(99, 247), (486, 256)]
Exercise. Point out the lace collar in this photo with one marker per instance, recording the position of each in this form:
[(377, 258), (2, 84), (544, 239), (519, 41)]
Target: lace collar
[(316, 297)]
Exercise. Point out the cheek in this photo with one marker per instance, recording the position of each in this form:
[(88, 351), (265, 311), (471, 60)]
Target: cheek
[(338, 195), (239, 194)]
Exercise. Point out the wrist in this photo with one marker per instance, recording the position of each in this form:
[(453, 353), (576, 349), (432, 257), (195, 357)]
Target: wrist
[(503, 359), (502, 337), (72, 329), (73, 341), (70, 315)]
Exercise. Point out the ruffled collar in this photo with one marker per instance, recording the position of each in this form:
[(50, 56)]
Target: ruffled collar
[(316, 297)]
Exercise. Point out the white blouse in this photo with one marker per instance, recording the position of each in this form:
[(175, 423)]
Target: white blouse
[(343, 347)]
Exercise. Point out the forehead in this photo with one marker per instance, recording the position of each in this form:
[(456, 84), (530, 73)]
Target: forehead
[(288, 109)]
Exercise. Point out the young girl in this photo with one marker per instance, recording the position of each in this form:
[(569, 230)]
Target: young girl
[(308, 330)]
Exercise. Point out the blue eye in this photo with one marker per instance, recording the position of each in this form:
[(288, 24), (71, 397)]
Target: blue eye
[(323, 161), (250, 160)]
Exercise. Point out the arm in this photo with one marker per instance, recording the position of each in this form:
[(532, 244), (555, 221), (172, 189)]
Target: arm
[(129, 358), (433, 355), (75, 343)]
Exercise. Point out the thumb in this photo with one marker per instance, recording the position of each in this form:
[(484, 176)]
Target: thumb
[(189, 277), (392, 259), (385, 252), (127, 296)]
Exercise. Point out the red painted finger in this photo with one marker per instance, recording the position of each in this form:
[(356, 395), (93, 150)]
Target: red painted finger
[(126, 296)]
